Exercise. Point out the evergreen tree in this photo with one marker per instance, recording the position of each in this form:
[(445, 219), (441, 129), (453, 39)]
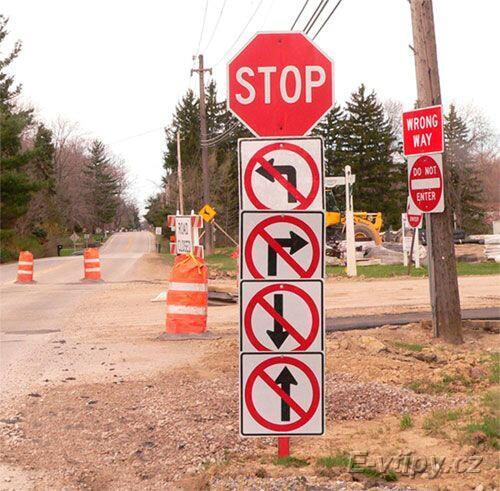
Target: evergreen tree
[(17, 187), (367, 143), (466, 191), (102, 186)]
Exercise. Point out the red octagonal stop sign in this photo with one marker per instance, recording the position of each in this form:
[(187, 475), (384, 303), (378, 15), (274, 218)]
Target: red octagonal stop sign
[(280, 84)]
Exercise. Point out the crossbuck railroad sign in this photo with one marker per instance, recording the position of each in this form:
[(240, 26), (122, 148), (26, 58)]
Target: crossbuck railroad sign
[(282, 245), (282, 394), (281, 315), (284, 174)]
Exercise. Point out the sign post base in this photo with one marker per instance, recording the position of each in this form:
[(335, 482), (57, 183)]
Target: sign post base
[(283, 446)]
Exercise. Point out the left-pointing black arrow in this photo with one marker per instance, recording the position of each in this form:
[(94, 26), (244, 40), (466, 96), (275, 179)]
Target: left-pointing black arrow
[(295, 243), (285, 379), (288, 170)]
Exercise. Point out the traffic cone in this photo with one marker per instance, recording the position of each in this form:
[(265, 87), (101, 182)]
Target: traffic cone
[(187, 300), (91, 264), (25, 267)]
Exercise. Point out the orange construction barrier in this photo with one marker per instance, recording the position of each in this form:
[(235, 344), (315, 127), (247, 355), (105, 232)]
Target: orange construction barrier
[(187, 296), (91, 264), (25, 267)]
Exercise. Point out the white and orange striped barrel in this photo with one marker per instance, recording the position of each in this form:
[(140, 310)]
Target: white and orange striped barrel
[(187, 296), (91, 264), (25, 267)]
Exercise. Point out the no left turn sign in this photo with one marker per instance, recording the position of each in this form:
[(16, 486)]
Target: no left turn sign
[(281, 174), (281, 394), (282, 245), (281, 315)]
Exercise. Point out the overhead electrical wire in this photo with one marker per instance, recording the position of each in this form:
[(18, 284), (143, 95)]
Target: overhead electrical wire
[(317, 17), (313, 14), (223, 57), (300, 13), (215, 27), (327, 19), (202, 26)]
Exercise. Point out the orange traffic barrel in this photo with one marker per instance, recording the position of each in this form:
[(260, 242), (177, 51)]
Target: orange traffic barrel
[(25, 267), (91, 264), (187, 296)]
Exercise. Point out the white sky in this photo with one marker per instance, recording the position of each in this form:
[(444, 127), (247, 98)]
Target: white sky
[(118, 67)]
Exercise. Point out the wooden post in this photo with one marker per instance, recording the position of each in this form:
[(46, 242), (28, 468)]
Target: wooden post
[(209, 244), (179, 174), (445, 300)]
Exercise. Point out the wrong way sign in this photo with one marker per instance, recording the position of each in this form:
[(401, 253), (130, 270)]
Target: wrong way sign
[(281, 315), (425, 183), (281, 245), (281, 174), (281, 394)]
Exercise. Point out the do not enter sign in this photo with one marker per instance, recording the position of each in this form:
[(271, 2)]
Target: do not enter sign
[(425, 183)]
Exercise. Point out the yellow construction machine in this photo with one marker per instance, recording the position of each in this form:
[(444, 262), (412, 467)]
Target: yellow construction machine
[(367, 226)]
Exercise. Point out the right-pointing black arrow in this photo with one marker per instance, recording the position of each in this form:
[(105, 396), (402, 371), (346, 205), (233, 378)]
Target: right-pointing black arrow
[(288, 170), (278, 335), (285, 379), (295, 243)]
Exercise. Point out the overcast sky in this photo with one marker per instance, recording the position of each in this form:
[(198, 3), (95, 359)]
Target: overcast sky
[(118, 67)]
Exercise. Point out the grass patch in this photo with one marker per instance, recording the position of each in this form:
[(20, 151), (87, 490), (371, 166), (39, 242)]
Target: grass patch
[(491, 400), (409, 346), (447, 385), (438, 419), (490, 427), (291, 462), (345, 460), (494, 368), (391, 270), (406, 421)]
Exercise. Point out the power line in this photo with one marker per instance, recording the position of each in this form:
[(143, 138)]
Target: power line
[(138, 135), (239, 35), (327, 19), (300, 13), (317, 17), (313, 14), (202, 26), (215, 28)]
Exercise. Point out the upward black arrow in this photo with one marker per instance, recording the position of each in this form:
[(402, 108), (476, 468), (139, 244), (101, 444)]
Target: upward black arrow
[(278, 335), (285, 379), (288, 170), (295, 243)]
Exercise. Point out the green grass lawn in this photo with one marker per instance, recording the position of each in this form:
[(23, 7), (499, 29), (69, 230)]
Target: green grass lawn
[(222, 261)]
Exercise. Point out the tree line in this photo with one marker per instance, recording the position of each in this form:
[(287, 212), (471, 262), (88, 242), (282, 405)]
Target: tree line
[(364, 133), (53, 179)]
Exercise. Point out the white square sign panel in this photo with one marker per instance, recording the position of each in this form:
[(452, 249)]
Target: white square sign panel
[(426, 183), (282, 245), (184, 235), (281, 173), (281, 394), (281, 315)]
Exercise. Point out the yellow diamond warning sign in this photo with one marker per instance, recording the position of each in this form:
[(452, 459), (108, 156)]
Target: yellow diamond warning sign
[(207, 213)]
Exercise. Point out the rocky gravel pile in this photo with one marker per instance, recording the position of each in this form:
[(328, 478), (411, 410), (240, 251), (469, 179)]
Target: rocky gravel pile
[(349, 399), (132, 432)]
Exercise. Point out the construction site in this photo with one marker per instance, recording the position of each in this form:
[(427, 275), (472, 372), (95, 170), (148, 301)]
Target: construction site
[(298, 289)]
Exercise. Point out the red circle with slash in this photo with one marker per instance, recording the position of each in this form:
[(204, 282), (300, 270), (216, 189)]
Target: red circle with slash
[(258, 299), (260, 159), (305, 415), (260, 231)]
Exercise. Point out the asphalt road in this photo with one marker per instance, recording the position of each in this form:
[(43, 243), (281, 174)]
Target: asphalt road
[(31, 315)]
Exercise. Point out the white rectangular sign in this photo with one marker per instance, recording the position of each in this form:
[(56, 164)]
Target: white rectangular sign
[(281, 173), (183, 235), (284, 245), (281, 315), (281, 394), (158, 230), (426, 183)]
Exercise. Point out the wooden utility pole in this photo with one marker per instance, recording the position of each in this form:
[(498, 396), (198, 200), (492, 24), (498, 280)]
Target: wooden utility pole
[(179, 174), (445, 300), (209, 246)]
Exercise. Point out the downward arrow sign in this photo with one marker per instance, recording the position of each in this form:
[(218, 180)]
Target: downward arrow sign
[(285, 379), (278, 335), (295, 243), (288, 170)]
